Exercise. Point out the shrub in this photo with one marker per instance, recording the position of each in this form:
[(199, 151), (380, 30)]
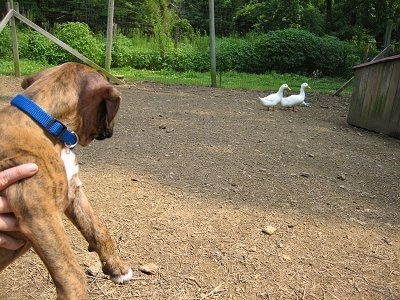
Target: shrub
[(187, 58), (122, 51), (180, 59), (5, 43), (39, 48), (36, 47), (282, 51), (79, 36), (147, 59), (235, 54), (301, 52)]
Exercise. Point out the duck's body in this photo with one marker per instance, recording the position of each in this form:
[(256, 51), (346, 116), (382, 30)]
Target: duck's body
[(274, 99), (296, 100)]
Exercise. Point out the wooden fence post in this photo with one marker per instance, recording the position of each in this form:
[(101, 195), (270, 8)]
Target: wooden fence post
[(212, 44), (388, 33), (14, 39), (110, 25)]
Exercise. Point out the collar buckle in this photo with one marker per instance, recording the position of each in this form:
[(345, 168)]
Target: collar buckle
[(72, 146)]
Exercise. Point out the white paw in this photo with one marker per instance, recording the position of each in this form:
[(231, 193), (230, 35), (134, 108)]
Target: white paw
[(120, 279)]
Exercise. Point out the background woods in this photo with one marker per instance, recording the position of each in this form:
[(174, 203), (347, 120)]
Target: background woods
[(254, 36), (345, 19)]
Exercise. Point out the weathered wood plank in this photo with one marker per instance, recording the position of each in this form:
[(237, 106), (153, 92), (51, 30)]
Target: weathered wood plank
[(393, 128), (375, 102), (383, 102), (5, 20)]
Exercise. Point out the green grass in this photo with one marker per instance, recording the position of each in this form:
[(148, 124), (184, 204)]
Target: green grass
[(228, 80), (233, 80), (27, 67)]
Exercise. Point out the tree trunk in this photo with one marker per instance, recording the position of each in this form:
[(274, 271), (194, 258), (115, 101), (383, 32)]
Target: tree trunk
[(328, 16)]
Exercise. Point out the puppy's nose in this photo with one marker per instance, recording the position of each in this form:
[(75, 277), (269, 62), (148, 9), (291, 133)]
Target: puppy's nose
[(105, 134)]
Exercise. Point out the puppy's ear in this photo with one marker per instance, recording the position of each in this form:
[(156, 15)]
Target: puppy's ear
[(26, 82), (29, 80), (112, 100)]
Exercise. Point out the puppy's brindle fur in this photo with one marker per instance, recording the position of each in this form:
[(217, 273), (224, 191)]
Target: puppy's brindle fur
[(86, 103)]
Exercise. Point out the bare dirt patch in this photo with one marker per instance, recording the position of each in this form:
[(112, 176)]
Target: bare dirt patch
[(193, 177)]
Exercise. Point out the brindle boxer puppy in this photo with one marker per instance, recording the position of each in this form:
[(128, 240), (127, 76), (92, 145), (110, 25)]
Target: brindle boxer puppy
[(85, 103)]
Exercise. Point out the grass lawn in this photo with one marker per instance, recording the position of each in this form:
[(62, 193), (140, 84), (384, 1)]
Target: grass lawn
[(230, 80)]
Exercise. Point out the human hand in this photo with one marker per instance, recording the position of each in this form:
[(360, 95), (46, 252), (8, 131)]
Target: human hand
[(7, 220)]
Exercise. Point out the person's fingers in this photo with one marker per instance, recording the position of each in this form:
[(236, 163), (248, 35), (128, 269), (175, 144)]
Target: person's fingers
[(11, 175), (4, 206), (9, 242), (8, 222)]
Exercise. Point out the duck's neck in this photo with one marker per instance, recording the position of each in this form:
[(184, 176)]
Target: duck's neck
[(280, 92), (302, 91)]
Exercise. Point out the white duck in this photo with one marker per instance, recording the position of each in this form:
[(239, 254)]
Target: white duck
[(273, 99), (295, 100)]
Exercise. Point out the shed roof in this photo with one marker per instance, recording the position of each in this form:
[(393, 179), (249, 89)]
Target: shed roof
[(394, 57)]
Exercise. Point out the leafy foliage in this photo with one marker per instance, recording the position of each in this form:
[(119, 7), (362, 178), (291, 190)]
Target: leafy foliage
[(283, 51), (80, 37), (301, 52), (236, 54), (339, 18), (5, 42), (39, 48), (36, 47), (254, 36), (286, 51)]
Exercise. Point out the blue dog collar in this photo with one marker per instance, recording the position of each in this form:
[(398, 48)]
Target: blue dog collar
[(53, 126)]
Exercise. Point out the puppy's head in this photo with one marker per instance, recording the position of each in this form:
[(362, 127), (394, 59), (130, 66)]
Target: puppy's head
[(78, 96), (98, 105)]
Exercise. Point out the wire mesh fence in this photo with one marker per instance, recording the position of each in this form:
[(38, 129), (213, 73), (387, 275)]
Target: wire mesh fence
[(47, 13)]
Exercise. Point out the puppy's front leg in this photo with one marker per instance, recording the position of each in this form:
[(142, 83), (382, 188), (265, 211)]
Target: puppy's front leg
[(42, 226), (50, 242), (81, 213)]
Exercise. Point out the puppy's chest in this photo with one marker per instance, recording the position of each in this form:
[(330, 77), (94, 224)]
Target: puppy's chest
[(71, 168)]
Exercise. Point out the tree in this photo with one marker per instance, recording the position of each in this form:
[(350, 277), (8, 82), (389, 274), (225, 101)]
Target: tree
[(346, 19), (161, 15), (328, 16), (350, 17)]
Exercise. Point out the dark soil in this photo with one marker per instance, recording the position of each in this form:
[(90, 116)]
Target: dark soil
[(194, 176)]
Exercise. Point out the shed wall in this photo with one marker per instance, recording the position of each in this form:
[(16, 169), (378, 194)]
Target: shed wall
[(375, 102)]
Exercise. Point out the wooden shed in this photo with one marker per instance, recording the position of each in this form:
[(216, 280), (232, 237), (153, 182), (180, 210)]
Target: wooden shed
[(375, 102)]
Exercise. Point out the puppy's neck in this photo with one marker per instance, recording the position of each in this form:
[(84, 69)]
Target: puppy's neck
[(63, 109)]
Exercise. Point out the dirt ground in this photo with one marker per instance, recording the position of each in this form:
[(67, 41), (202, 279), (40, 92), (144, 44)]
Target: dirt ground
[(194, 177)]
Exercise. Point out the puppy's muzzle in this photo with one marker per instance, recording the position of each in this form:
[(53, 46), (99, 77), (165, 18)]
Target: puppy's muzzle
[(105, 134)]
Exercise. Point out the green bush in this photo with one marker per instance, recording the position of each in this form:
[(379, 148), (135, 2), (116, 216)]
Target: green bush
[(122, 51), (300, 52), (187, 58), (5, 43), (147, 59), (131, 52), (282, 51), (330, 56), (36, 47), (235, 54), (80, 37)]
